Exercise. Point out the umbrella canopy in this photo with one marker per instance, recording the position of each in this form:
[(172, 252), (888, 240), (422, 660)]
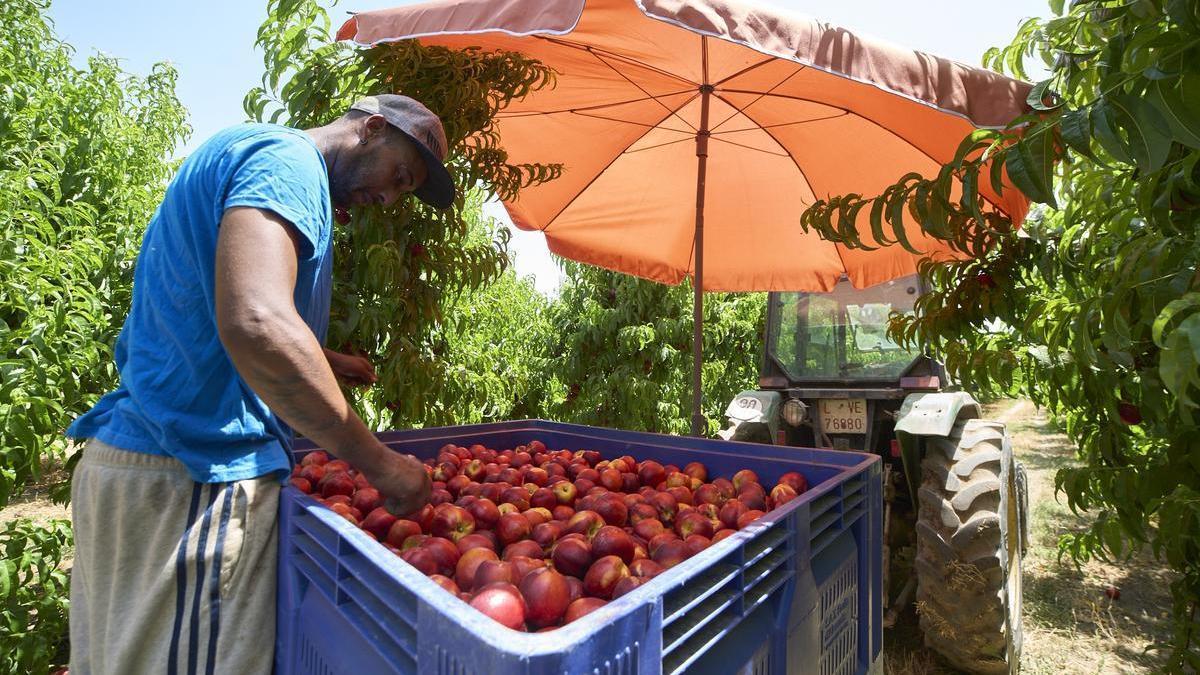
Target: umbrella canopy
[(798, 110), (694, 133)]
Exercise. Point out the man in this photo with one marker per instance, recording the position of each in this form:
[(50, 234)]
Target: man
[(175, 497)]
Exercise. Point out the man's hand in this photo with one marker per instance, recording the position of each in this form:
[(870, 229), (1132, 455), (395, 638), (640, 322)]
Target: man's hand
[(351, 369), (402, 480)]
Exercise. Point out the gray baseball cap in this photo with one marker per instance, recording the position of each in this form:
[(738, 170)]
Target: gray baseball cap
[(425, 130)]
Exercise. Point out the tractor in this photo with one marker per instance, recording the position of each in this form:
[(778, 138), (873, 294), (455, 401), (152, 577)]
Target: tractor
[(954, 498)]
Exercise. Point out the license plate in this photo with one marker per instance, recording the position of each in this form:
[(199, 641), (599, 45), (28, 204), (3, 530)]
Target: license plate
[(843, 416)]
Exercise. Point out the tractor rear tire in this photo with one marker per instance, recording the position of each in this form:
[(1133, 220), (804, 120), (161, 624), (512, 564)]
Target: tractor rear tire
[(968, 563)]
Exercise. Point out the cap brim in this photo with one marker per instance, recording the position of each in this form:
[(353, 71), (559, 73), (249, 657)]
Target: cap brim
[(438, 189)]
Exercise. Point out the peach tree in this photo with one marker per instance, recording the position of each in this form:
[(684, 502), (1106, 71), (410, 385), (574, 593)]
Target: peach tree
[(84, 159), (399, 270), (624, 352), (1098, 300)]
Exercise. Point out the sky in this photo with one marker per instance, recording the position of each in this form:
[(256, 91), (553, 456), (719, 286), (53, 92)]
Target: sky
[(211, 44)]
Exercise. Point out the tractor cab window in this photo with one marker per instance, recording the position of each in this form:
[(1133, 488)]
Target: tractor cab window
[(841, 335)]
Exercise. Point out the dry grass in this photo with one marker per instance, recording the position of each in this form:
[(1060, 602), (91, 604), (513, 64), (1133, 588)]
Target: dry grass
[(1071, 627)]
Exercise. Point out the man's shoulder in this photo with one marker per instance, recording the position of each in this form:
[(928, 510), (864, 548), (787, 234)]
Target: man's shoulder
[(253, 137)]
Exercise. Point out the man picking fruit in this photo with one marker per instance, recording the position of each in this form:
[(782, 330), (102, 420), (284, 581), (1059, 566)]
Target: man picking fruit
[(174, 500)]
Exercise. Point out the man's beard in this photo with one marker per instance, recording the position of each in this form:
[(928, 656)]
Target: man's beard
[(347, 180)]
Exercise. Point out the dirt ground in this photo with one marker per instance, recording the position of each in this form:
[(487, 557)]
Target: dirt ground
[(1071, 627)]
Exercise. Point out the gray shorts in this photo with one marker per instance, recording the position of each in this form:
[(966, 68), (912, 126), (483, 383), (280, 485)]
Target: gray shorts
[(170, 576)]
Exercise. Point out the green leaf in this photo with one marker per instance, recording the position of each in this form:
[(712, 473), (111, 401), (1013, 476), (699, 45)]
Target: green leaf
[(1076, 127), (1103, 121), (1038, 95), (1175, 311), (1030, 165), (1179, 105), (1145, 128)]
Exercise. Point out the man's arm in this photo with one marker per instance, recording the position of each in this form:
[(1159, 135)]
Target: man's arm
[(276, 353)]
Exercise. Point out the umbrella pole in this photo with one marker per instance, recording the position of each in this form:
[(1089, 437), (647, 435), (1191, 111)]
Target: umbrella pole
[(698, 423)]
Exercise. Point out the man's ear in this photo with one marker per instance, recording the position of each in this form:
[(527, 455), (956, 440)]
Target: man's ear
[(373, 126)]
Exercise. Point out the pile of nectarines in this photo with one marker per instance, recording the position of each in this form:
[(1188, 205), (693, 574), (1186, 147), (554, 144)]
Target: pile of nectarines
[(536, 538)]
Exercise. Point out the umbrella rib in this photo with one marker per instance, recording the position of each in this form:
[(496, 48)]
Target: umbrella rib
[(674, 113), (659, 145), (742, 110), (782, 147), (750, 147), (784, 124), (747, 69), (598, 106), (550, 221), (620, 57), (860, 116), (690, 135)]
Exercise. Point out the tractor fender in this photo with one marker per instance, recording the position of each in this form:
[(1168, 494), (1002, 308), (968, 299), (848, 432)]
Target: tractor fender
[(934, 413), (753, 407)]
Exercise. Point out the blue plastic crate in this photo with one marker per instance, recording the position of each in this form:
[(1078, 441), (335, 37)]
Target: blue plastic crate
[(796, 592)]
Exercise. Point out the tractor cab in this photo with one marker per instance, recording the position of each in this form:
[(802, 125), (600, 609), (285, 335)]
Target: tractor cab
[(831, 372)]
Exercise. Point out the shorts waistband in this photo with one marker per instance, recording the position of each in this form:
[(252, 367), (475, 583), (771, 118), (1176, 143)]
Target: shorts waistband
[(98, 452)]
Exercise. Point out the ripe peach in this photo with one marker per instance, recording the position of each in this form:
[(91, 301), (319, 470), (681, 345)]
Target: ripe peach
[(401, 530), (782, 494), (445, 582), (709, 494), (731, 511), (503, 603), (645, 567), (651, 473), (572, 556), (485, 512), (525, 547), (613, 541), (547, 533), (582, 607), (452, 522), (336, 483), (696, 470), (523, 565), (421, 558), (513, 527), (444, 552), (475, 540), (379, 521), (316, 457), (490, 571), (626, 585), (747, 518), (648, 528), (682, 495), (612, 509), (538, 515), (743, 478), (697, 543), (603, 575), (468, 565), (671, 553), (794, 480), (546, 594), (585, 522)]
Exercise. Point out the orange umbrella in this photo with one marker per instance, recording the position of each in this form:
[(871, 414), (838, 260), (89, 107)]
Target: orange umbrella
[(687, 126)]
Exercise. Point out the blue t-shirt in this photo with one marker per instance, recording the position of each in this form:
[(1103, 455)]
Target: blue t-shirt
[(180, 394)]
